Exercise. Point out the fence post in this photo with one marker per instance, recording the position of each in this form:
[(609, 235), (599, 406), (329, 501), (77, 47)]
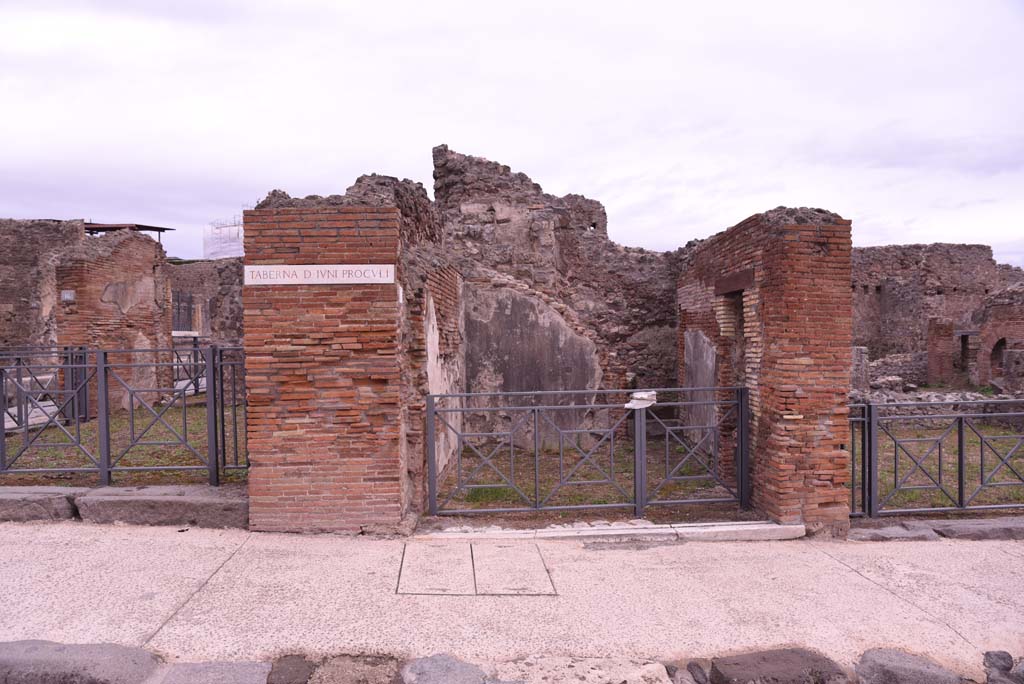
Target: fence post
[(431, 457), (20, 400), (536, 458), (960, 465), (82, 410), (194, 369), (212, 455), (743, 446), (3, 418), (871, 505), (69, 397), (639, 461), (864, 460), (103, 415)]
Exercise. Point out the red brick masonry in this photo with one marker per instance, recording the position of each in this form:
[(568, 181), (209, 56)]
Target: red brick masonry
[(323, 374), (792, 283)]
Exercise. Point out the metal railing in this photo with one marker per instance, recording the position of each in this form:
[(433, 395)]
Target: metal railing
[(78, 410), (589, 449), (926, 457)]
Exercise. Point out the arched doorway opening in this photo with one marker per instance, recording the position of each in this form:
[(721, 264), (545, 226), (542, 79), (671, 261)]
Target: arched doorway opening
[(997, 358)]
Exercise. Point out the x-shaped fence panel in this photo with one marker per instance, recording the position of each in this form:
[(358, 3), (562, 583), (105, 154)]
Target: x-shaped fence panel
[(935, 456), (77, 410), (504, 452)]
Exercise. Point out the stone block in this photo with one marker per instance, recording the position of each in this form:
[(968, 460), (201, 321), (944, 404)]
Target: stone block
[(891, 666), (47, 662), (782, 666), (361, 669), (25, 504), (441, 669), (191, 506), (217, 673), (291, 669), (980, 529), (892, 533)]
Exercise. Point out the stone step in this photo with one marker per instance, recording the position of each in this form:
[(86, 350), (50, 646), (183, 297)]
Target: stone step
[(180, 505)]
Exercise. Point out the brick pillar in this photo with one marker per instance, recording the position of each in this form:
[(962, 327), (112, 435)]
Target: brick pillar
[(793, 282), (322, 374), (804, 462), (941, 346)]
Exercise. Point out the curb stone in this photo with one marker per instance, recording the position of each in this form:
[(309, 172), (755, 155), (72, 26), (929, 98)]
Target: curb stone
[(891, 666), (28, 504), (780, 666), (47, 662)]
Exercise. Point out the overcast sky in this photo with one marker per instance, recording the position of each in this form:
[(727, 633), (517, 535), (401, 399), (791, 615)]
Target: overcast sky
[(682, 118)]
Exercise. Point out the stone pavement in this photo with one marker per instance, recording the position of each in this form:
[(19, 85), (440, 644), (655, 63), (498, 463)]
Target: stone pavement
[(198, 595)]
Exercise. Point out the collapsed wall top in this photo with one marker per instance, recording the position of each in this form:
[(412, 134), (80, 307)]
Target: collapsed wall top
[(464, 179), (419, 219)]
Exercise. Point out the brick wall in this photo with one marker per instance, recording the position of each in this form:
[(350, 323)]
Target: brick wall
[(28, 283), (325, 417), (121, 300), (942, 351), (121, 297), (788, 272), (1000, 322)]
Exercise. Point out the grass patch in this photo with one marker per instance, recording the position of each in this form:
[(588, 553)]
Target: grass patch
[(918, 463), (138, 439)]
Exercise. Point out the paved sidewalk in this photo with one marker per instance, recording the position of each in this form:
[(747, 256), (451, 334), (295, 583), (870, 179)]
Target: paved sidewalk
[(204, 595)]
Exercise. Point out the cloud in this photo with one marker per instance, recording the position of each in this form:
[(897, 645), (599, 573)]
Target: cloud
[(682, 118)]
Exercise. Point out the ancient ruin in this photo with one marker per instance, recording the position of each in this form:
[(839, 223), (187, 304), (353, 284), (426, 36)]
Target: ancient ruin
[(500, 288), (60, 287), (917, 310)]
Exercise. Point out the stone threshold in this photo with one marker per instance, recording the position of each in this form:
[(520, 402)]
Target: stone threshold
[(633, 530), (181, 505)]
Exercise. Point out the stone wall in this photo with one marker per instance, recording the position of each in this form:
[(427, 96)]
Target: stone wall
[(861, 376), (216, 288), (445, 338), (772, 296), (898, 288), (542, 276), (28, 279)]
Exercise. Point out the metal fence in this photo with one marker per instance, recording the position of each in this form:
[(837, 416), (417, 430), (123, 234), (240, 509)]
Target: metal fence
[(102, 411), (925, 457), (591, 449)]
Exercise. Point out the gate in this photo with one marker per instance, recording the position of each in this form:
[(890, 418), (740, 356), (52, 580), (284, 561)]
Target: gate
[(594, 449), (927, 457)]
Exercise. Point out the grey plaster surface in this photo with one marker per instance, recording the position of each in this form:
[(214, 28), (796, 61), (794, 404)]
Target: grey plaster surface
[(510, 568), (437, 568), (226, 595)]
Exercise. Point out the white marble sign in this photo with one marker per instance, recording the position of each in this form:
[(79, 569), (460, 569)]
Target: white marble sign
[(319, 274)]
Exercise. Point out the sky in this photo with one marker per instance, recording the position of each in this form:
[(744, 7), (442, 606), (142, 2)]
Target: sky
[(683, 118)]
